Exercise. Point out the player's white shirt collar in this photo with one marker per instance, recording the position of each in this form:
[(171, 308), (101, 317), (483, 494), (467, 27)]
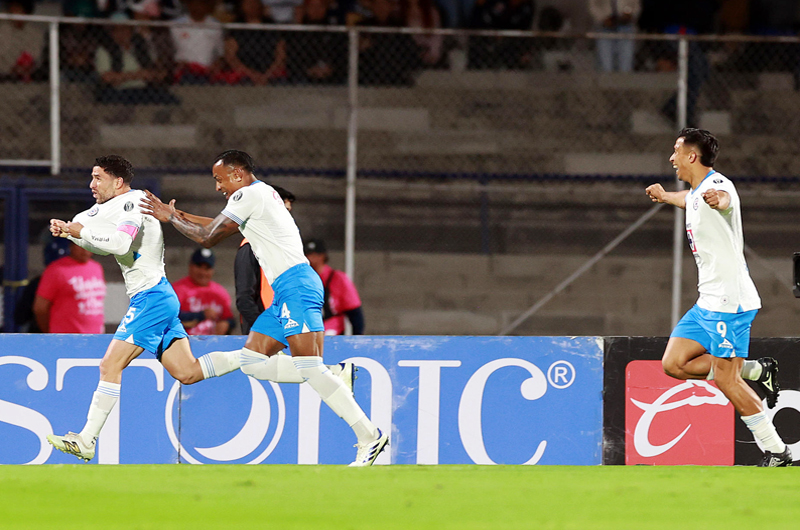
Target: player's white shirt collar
[(711, 172)]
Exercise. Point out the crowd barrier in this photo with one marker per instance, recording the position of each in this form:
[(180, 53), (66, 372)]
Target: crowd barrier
[(445, 400), (649, 418)]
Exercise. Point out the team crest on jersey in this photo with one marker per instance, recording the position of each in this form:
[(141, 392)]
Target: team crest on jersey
[(93, 211), (128, 206), (696, 203), (237, 195)]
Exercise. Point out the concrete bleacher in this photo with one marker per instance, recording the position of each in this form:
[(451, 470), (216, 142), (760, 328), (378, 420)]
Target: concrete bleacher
[(471, 121), (419, 265)]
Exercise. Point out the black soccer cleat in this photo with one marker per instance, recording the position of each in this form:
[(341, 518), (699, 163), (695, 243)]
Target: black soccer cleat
[(783, 459), (768, 381)]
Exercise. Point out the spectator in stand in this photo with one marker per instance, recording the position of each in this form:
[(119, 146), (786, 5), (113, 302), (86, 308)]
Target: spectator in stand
[(199, 46), (317, 57), (341, 297), (158, 39), (253, 292), (498, 52), (71, 295), (205, 304), (386, 58), (690, 17), (615, 16), (427, 15), (254, 56), (282, 11), (22, 43), (127, 72), (53, 249), (77, 45)]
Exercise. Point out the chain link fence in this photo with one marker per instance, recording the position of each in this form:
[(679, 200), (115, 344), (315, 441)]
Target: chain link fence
[(490, 165)]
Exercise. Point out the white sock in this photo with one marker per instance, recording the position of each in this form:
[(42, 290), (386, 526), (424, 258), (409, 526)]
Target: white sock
[(103, 401), (336, 395), (278, 368), (765, 432), (751, 370), (219, 363)]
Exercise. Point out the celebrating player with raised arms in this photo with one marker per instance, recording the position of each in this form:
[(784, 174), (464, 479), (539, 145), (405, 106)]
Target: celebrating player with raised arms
[(117, 226), (712, 340), (295, 317)]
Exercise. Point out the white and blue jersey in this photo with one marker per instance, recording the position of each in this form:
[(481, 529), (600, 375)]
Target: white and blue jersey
[(136, 241), (275, 240), (717, 243), (728, 300)]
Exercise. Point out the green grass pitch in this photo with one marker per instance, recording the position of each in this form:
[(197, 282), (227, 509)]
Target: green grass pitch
[(144, 497)]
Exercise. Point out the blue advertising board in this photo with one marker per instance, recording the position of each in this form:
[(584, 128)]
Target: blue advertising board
[(445, 400)]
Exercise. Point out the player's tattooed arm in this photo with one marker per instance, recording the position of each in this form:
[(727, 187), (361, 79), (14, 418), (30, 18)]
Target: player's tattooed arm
[(199, 219), (657, 193), (220, 228), (194, 227)]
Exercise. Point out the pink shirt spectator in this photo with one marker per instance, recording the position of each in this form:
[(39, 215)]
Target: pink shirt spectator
[(76, 292), (196, 298), (342, 297)]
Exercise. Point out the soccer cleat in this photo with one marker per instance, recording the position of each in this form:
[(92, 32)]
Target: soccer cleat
[(368, 452), (347, 373), (72, 444), (768, 381), (783, 459)]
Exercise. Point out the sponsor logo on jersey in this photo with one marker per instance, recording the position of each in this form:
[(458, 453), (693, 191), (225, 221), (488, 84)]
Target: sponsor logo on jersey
[(93, 211), (726, 344), (128, 206), (690, 237), (696, 203), (672, 422), (717, 181), (237, 195), (291, 324)]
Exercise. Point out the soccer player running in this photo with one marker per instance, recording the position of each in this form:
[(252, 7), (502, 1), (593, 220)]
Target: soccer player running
[(712, 339), (117, 226), (295, 317)]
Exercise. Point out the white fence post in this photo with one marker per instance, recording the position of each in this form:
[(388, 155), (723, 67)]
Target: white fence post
[(55, 102), (352, 151), (679, 227)]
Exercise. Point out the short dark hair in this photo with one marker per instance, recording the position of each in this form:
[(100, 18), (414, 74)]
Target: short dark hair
[(116, 166), (235, 158), (285, 194), (703, 140)]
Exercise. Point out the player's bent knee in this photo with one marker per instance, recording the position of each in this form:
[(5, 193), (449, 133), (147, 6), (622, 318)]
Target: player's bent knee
[(671, 368), (188, 375), (189, 378)]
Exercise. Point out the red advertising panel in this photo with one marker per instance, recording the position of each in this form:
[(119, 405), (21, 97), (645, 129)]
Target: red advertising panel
[(673, 422)]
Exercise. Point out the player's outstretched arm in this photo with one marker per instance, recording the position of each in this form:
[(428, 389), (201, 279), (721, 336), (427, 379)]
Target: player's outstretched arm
[(199, 219), (207, 235), (657, 193), (114, 243)]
